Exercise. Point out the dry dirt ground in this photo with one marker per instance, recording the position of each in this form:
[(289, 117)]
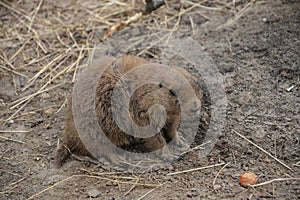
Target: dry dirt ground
[(255, 46)]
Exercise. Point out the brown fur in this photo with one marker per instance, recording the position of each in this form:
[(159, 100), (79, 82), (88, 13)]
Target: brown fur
[(140, 102)]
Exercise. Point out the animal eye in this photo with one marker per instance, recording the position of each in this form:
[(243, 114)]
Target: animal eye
[(160, 85), (173, 93)]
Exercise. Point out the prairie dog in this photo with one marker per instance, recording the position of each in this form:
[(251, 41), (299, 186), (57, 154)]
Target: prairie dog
[(140, 102)]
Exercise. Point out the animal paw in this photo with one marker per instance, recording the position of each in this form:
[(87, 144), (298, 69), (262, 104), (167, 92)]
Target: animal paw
[(180, 141)]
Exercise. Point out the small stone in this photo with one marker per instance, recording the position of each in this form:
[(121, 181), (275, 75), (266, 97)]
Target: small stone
[(48, 110), (189, 194), (264, 20), (216, 187), (245, 166), (248, 179), (93, 193)]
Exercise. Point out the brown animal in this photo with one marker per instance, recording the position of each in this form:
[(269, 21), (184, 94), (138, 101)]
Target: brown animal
[(140, 102)]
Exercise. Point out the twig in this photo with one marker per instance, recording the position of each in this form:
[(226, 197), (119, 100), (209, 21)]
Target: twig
[(4, 58), (34, 15), (35, 60), (297, 164), (195, 169), (181, 13), (13, 71), (230, 46), (150, 191), (29, 97), (195, 148), (81, 55), (90, 176), (13, 131), (48, 188), (275, 180), (21, 108), (10, 189), (18, 181), (192, 25), (204, 7), (100, 174), (21, 115), (118, 26), (72, 37), (46, 67), (20, 49), (132, 187), (14, 10), (151, 5), (238, 15), (8, 172), (12, 140), (175, 27), (62, 106), (153, 44), (262, 149), (214, 181), (57, 66)]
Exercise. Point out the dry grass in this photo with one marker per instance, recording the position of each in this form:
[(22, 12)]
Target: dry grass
[(46, 43), (261, 149), (95, 177)]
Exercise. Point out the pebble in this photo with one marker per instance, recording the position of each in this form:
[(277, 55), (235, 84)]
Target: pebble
[(189, 194), (94, 193), (216, 187), (265, 20), (48, 111)]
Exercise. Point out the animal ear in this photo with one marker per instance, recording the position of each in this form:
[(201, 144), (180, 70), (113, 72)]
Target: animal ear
[(173, 93)]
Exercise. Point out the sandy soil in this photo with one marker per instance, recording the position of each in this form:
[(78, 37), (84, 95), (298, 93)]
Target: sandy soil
[(257, 53)]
